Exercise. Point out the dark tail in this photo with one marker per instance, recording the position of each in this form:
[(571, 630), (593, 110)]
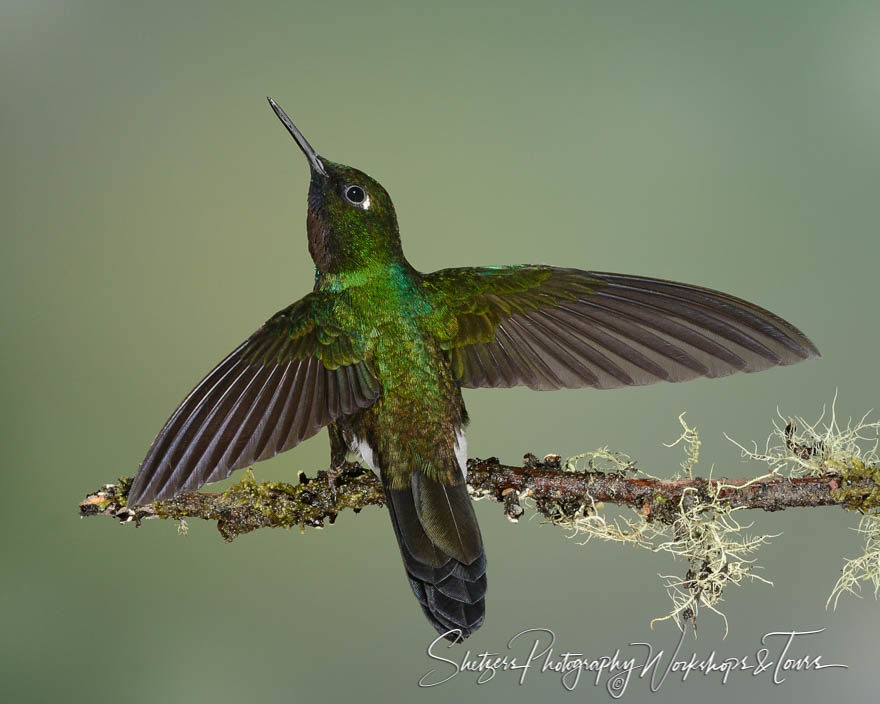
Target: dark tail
[(442, 552)]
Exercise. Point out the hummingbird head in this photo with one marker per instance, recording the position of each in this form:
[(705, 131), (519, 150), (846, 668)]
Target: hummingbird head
[(351, 222)]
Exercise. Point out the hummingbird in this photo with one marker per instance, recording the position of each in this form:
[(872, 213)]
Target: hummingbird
[(379, 353)]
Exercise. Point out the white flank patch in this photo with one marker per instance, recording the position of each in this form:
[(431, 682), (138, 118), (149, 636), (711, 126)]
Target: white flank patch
[(461, 451), (362, 448)]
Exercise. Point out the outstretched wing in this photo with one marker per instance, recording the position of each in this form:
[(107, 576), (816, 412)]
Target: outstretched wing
[(549, 328), (289, 379)]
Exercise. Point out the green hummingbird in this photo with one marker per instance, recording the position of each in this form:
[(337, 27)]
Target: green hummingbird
[(379, 353)]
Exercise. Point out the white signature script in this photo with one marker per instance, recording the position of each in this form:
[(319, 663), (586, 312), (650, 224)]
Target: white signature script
[(778, 658)]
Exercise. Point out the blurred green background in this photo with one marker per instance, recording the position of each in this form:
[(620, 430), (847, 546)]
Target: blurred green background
[(153, 214)]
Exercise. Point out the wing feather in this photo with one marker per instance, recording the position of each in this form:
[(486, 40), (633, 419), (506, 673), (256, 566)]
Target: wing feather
[(549, 328), (282, 385)]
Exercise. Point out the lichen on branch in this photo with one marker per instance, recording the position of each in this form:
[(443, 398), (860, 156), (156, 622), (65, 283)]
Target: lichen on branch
[(687, 516)]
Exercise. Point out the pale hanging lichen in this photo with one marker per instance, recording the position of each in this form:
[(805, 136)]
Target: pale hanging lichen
[(707, 535), (601, 460), (848, 451), (799, 448), (692, 443), (590, 521), (863, 569), (703, 531), (718, 552)]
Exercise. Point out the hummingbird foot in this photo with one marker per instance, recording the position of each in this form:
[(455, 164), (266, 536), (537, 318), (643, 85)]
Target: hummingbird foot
[(337, 470), (333, 473)]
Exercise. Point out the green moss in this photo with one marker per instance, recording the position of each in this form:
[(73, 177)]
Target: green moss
[(268, 498), (123, 487), (859, 488)]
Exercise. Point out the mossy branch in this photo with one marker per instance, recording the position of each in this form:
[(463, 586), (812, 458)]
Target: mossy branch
[(249, 505), (687, 516)]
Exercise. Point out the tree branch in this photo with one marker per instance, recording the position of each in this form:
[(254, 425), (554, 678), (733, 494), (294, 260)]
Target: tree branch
[(692, 519), (250, 505)]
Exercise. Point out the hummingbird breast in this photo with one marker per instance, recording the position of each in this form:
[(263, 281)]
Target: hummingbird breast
[(418, 420)]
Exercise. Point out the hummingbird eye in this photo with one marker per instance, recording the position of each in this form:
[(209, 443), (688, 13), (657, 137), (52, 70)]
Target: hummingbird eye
[(357, 196)]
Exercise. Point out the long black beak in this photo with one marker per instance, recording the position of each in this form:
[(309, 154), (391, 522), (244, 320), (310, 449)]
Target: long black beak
[(310, 153)]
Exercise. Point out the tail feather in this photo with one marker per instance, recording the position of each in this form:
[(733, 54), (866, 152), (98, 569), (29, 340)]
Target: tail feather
[(448, 614), (462, 589), (457, 615), (451, 591), (447, 516)]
